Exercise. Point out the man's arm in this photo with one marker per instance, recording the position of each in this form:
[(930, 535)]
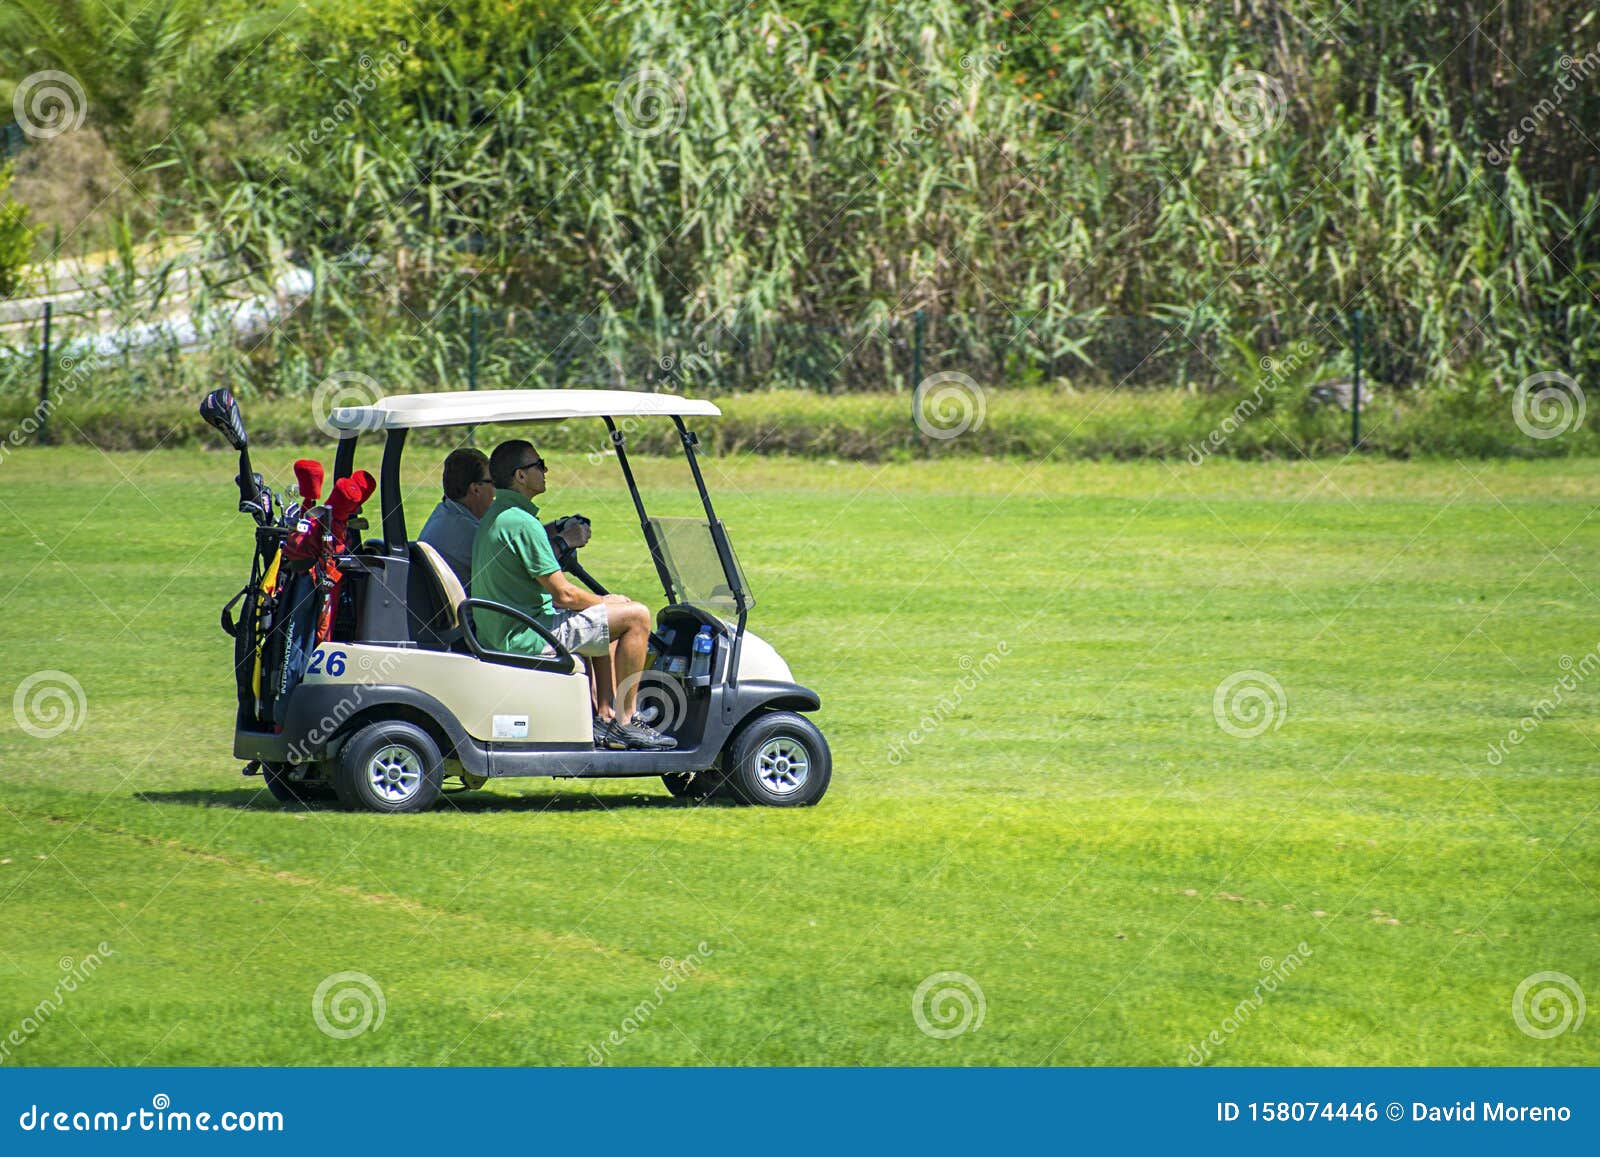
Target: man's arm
[(565, 595)]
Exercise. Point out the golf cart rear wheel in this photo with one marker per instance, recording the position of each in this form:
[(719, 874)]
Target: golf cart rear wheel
[(694, 785), (779, 760), (282, 780), (390, 766)]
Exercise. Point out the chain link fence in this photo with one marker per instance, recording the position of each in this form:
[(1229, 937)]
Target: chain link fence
[(286, 350)]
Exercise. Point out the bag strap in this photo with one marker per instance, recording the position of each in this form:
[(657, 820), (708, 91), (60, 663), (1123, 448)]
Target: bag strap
[(228, 626)]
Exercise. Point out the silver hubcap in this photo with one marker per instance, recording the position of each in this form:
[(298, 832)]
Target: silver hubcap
[(395, 772), (783, 765)]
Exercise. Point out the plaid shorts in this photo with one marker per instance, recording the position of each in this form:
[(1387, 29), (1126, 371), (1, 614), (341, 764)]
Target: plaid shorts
[(585, 632)]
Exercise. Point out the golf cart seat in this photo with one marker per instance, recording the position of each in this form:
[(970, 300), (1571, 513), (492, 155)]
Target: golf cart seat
[(434, 600), (441, 616)]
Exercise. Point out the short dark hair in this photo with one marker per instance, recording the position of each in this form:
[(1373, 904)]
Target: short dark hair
[(506, 459), (461, 469)]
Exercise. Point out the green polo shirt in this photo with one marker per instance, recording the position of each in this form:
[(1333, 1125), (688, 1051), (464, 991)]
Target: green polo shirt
[(509, 553)]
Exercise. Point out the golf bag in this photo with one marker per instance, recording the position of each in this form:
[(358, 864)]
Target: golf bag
[(259, 632), (294, 641), (286, 607), (293, 599)]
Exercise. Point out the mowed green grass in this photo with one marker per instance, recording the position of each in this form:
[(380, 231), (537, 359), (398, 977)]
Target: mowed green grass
[(1074, 831)]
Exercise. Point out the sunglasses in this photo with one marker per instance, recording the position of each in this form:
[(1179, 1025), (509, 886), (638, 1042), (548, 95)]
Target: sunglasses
[(539, 462)]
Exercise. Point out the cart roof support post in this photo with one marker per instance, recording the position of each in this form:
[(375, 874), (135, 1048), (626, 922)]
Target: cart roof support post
[(724, 552), (394, 513), (344, 458)]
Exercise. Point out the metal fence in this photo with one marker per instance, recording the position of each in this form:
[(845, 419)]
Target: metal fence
[(520, 347), (471, 346), (500, 347)]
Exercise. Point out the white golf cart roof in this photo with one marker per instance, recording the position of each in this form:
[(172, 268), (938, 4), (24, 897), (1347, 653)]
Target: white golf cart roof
[(481, 407)]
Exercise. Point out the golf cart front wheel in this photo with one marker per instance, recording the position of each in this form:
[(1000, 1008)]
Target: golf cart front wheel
[(779, 760), (390, 766)]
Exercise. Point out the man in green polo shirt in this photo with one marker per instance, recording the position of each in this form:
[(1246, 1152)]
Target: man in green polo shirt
[(512, 563)]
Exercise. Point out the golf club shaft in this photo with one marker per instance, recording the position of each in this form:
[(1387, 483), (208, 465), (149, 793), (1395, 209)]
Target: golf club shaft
[(246, 479)]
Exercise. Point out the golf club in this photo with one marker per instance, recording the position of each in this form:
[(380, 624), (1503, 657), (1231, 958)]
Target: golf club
[(255, 498), (220, 410)]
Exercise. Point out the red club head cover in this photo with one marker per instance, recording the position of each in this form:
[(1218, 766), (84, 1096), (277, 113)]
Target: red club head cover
[(348, 496), (350, 493), (308, 473)]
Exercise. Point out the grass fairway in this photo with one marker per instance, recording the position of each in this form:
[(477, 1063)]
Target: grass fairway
[(1068, 825)]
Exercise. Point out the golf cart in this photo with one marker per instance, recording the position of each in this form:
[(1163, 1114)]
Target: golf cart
[(360, 674)]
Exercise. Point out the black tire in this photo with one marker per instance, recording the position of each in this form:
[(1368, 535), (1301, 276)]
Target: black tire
[(284, 781), (402, 752), (762, 764), (695, 786)]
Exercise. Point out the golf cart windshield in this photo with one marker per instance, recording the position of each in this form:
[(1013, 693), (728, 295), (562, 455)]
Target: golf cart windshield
[(690, 554)]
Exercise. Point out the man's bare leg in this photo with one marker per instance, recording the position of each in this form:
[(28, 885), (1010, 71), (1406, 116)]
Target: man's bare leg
[(603, 674), (630, 630), (602, 684)]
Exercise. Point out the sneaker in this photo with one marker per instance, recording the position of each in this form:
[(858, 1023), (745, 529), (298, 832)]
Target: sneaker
[(643, 737), (608, 735)]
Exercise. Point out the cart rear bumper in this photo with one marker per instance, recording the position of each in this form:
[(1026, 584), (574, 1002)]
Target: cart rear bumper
[(263, 745)]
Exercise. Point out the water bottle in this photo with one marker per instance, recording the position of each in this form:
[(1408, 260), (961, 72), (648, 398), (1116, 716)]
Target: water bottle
[(700, 666)]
